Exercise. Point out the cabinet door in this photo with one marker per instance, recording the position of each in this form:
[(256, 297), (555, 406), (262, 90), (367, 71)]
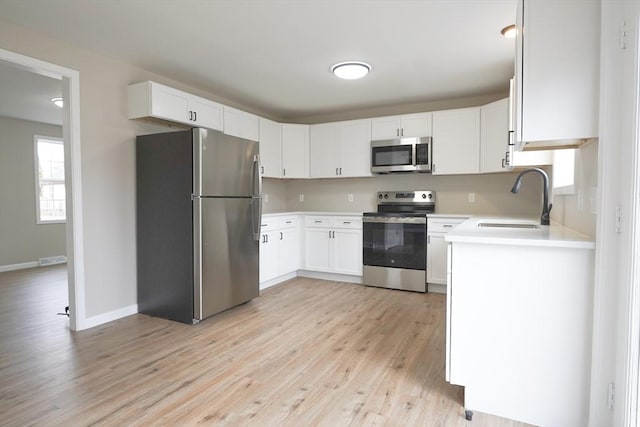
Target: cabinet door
[(269, 255), (295, 151), (323, 151), (416, 125), (232, 122), (289, 251), (169, 104), (270, 148), (250, 126), (555, 44), (437, 259), (456, 141), (385, 127), (317, 249), (347, 251), (494, 136), (354, 148), (206, 114)]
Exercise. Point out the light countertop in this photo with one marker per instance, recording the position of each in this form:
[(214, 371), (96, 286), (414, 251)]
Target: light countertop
[(272, 214), (553, 235)]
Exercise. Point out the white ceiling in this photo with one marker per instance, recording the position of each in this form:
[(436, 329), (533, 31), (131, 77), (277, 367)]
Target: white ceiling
[(275, 55), (25, 95)]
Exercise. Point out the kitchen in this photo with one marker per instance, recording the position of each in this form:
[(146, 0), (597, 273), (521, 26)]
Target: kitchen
[(106, 146)]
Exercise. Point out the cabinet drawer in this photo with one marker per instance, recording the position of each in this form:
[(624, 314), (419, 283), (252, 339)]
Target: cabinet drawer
[(443, 225), (317, 221), (287, 222), (348, 222), (268, 224)]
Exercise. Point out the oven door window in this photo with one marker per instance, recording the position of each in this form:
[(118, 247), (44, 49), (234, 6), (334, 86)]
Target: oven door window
[(392, 155), (395, 245)]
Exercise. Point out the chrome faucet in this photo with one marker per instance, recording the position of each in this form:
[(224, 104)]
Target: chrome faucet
[(546, 207)]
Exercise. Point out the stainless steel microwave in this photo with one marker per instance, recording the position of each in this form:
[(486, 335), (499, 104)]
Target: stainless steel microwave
[(401, 155)]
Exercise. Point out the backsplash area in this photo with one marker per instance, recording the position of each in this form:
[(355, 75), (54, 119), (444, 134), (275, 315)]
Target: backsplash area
[(490, 193)]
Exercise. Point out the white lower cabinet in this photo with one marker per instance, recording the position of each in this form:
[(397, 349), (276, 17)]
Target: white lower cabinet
[(437, 228), (279, 247), (333, 244)]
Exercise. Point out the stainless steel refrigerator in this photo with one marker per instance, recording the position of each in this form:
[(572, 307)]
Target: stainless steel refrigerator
[(198, 223)]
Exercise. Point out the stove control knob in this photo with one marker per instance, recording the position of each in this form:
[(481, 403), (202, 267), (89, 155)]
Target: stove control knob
[(386, 196), (424, 196), (379, 196), (430, 196)]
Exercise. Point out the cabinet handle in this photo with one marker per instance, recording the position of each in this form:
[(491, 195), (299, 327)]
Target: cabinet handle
[(397, 132), (334, 234), (433, 167), (195, 116), (340, 171), (402, 132), (428, 239), (336, 171), (284, 172), (287, 222), (281, 235), (346, 222), (267, 237), (503, 163), (510, 137), (318, 221), (329, 233), (447, 226), (190, 115), (262, 170)]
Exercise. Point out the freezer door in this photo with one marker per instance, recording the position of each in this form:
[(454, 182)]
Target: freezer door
[(224, 166), (226, 254)]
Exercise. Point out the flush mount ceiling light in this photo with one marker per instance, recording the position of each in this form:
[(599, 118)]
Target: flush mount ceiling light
[(351, 70), (509, 31), (58, 101)]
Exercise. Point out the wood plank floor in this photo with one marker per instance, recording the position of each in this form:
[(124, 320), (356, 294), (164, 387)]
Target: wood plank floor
[(305, 353)]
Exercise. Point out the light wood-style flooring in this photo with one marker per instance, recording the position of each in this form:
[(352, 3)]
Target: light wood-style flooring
[(305, 353)]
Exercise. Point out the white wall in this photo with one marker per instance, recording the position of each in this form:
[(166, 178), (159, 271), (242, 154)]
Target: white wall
[(108, 161), (21, 239)]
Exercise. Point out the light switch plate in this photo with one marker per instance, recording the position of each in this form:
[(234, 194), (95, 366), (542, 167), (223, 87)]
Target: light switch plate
[(472, 197), (301, 198)]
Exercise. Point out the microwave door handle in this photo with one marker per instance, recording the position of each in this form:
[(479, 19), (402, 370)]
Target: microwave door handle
[(413, 154)]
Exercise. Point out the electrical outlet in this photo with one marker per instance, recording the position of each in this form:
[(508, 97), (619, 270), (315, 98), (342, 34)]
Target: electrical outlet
[(350, 197), (301, 198), (472, 197)]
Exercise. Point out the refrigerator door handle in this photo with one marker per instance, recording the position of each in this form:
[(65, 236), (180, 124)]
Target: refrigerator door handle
[(256, 201)]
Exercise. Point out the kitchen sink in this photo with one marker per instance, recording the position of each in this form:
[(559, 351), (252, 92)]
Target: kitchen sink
[(519, 225)]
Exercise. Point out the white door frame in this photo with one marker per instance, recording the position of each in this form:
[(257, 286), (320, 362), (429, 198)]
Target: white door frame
[(73, 172)]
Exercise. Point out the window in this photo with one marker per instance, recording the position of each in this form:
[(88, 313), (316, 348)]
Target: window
[(50, 187), (564, 171)]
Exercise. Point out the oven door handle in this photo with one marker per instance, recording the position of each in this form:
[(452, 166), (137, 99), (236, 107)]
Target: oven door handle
[(395, 220)]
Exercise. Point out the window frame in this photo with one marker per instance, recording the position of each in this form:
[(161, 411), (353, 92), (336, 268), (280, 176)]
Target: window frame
[(36, 163)]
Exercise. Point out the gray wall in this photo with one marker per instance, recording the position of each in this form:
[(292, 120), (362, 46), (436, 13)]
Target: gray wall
[(21, 239)]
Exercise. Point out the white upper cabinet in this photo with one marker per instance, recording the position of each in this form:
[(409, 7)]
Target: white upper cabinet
[(354, 148), (556, 71), (494, 136), (295, 151), (323, 149), (398, 126), (270, 148), (340, 149), (456, 141), (241, 124), (153, 100)]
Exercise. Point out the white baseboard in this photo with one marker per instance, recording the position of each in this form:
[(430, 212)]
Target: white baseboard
[(437, 288), (110, 316), (330, 276), (20, 266), (268, 283)]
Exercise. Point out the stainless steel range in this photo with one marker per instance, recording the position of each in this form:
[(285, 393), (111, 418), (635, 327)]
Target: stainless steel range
[(395, 240)]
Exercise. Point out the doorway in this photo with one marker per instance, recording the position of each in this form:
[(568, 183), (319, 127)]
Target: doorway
[(71, 135)]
